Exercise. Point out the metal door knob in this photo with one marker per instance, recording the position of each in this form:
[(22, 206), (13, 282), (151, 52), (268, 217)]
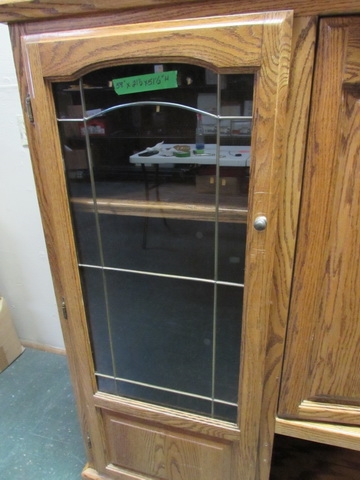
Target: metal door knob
[(260, 223)]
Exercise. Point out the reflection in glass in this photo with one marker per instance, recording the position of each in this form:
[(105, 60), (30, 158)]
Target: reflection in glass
[(161, 228)]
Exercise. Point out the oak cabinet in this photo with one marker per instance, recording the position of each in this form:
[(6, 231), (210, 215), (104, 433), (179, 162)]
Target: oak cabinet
[(321, 371), (166, 332), (173, 267)]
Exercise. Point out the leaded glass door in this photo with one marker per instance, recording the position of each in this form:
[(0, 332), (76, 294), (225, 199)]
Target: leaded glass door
[(166, 284)]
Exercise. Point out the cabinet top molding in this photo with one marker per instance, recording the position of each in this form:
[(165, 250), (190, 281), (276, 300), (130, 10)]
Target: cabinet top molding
[(27, 10)]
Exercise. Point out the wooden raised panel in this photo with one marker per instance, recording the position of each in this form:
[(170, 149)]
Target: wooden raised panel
[(147, 449), (321, 379)]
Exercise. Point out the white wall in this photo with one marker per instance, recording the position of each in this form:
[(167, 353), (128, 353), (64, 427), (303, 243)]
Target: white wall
[(25, 280)]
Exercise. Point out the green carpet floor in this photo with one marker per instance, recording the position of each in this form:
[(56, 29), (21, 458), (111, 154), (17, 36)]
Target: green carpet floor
[(39, 431)]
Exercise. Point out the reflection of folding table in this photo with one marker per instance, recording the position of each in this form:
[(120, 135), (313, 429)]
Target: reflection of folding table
[(230, 156), (179, 201)]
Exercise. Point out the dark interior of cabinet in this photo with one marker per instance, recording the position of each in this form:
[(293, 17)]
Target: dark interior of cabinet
[(161, 254), (297, 459)]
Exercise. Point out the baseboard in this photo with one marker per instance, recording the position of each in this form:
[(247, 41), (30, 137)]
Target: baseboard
[(44, 348)]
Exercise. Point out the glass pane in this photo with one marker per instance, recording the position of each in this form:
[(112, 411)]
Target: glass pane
[(173, 246), (157, 159), (162, 317)]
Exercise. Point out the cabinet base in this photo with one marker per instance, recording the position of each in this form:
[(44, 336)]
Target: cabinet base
[(90, 474)]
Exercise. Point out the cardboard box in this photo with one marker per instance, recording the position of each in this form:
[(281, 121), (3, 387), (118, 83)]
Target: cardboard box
[(10, 346), (227, 185), (241, 128), (72, 129), (74, 111), (233, 180), (207, 103), (98, 126), (75, 159)]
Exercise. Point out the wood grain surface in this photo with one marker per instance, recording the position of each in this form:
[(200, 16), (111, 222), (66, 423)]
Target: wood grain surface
[(223, 49), (298, 106), (321, 376), (321, 369), (22, 10), (257, 43)]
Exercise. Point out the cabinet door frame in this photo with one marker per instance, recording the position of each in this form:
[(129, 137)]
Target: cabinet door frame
[(259, 43), (315, 313)]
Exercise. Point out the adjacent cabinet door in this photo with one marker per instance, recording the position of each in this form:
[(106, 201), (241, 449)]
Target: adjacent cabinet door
[(163, 249), (321, 380)]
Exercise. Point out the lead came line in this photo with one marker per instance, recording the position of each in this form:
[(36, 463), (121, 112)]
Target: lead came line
[(164, 275), (165, 389), (161, 104), (97, 224)]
